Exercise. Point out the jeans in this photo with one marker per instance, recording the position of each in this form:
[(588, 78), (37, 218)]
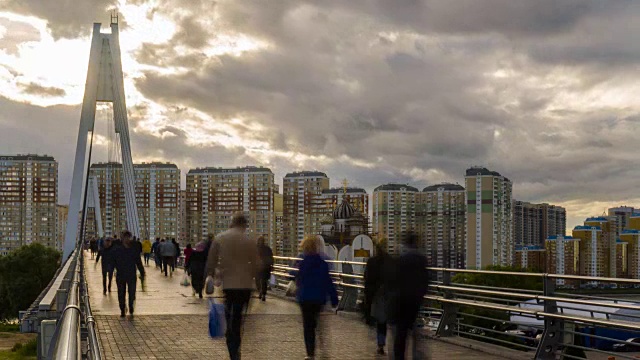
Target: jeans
[(381, 333), (237, 300), (106, 273), (310, 314), (167, 261), (123, 286)]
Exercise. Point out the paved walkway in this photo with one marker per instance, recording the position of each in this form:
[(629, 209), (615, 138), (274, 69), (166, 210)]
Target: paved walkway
[(170, 323)]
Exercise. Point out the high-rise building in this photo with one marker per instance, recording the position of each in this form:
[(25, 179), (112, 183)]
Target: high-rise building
[(183, 235), (394, 213), (530, 257), (622, 215), (213, 195), (489, 219), (440, 222), (303, 207), (61, 227), (597, 247), (28, 198), (278, 213), (534, 223), (563, 256), (632, 238), (157, 186)]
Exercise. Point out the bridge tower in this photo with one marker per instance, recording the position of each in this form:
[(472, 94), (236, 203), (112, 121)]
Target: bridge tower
[(105, 83)]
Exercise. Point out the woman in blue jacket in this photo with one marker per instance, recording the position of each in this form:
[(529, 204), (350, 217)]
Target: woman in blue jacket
[(314, 287)]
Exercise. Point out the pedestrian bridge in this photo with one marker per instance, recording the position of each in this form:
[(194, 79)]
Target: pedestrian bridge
[(475, 322)]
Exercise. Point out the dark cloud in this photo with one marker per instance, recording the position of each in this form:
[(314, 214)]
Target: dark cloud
[(40, 90)]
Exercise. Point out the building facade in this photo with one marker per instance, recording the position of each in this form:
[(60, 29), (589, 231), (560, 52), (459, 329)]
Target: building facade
[(563, 256), (531, 257), (157, 187), (28, 198), (356, 196), (303, 207), (278, 231), (489, 219), (440, 222), (61, 227), (213, 195), (622, 216), (394, 213), (534, 223), (183, 235)]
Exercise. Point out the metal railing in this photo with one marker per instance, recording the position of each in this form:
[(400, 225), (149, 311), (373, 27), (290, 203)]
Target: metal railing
[(547, 320)]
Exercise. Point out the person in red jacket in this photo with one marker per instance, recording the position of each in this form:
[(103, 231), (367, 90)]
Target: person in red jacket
[(187, 254)]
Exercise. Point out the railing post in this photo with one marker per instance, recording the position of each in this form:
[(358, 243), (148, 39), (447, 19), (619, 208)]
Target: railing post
[(553, 328), (449, 311)]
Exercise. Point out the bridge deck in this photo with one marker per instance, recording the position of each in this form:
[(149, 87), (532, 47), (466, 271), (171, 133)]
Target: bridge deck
[(172, 324)]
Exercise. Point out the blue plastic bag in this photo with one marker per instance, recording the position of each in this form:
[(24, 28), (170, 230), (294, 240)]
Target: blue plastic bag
[(217, 324)]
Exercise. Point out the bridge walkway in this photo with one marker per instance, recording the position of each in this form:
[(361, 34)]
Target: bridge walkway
[(171, 323)]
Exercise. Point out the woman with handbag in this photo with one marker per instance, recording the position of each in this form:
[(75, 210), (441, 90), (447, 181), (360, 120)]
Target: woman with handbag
[(376, 291)]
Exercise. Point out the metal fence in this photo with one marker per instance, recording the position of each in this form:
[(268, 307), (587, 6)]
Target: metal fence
[(546, 316)]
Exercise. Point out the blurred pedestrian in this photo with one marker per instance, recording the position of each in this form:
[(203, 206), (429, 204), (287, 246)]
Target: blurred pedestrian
[(265, 264), (168, 252), (93, 246), (176, 256), (146, 251), (410, 284), (377, 281), (107, 264), (314, 286), (187, 253), (236, 255), (126, 260), (195, 265)]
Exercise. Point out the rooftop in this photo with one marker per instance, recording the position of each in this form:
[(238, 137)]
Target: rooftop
[(339, 190), (445, 186), (395, 187), (21, 157), (219, 170), (305, 174), (586, 227), (102, 165), (597, 219), (555, 237)]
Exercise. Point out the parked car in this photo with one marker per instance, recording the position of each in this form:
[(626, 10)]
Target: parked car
[(632, 344)]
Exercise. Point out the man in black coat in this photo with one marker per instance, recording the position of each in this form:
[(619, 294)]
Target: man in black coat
[(106, 253), (409, 288), (126, 260), (265, 256)]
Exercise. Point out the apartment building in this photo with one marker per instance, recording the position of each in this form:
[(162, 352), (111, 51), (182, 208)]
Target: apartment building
[(157, 187), (394, 213), (357, 197), (183, 235), (563, 256), (489, 219), (303, 207), (278, 231), (61, 227), (213, 195), (534, 223), (440, 222), (530, 257), (28, 198)]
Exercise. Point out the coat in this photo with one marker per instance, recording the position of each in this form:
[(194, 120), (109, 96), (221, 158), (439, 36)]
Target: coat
[(196, 266), (167, 249), (126, 260), (265, 256), (314, 284), (236, 257), (146, 247), (107, 258), (377, 283)]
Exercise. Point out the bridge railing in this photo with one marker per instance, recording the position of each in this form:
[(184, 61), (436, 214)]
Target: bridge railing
[(545, 316)]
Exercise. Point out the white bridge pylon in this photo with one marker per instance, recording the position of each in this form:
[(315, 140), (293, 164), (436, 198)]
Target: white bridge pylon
[(104, 84), (93, 201)]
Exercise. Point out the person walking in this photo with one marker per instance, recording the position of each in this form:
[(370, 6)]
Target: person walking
[(168, 252), (146, 251), (410, 284), (377, 282), (314, 286), (265, 263), (93, 246), (187, 253), (176, 256), (107, 264), (195, 264), (236, 256), (126, 260)]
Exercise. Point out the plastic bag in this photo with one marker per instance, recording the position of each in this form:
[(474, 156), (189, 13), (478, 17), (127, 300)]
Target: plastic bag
[(186, 280), (292, 289), (273, 282), (217, 324)]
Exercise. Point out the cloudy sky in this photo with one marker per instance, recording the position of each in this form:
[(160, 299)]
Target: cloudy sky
[(374, 91)]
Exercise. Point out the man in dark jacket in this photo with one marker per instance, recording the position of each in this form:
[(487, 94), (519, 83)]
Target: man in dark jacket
[(265, 262), (126, 260), (175, 259), (106, 253), (410, 287), (377, 283)]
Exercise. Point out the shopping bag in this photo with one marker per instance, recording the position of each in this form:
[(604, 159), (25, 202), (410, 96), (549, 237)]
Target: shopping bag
[(186, 280), (209, 285), (217, 324), (292, 289), (273, 282)]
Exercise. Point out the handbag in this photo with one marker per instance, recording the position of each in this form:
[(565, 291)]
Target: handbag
[(186, 280), (292, 289), (216, 320), (209, 285)]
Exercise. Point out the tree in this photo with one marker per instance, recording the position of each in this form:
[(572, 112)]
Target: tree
[(24, 273)]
